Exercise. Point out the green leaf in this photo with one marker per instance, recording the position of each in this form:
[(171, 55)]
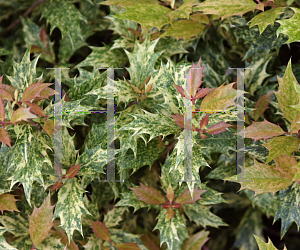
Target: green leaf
[(3, 243), (281, 145), (8, 203), (184, 29), (70, 207), (290, 26), (264, 19), (104, 57), (24, 72), (265, 246), (250, 223), (196, 241), (286, 94), (173, 229), (288, 209), (202, 216), (147, 14), (226, 8), (65, 16)]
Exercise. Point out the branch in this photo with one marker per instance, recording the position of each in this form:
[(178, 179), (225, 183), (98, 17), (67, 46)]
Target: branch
[(15, 23)]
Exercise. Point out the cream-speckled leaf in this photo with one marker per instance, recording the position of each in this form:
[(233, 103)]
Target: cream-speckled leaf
[(265, 246), (114, 216), (70, 207), (5, 154), (250, 223), (85, 82), (123, 92), (152, 124), (3, 243), (51, 243), (265, 179), (24, 72), (145, 155), (104, 57), (65, 16), (184, 29), (288, 210), (226, 8), (68, 154), (202, 216), (26, 172), (142, 61), (172, 230), (170, 46), (147, 14), (286, 94), (94, 243), (67, 117), (281, 145), (93, 160), (264, 19), (255, 77), (290, 27), (97, 135)]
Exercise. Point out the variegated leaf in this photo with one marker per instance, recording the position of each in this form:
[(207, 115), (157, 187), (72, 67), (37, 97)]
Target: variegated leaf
[(3, 243), (70, 207)]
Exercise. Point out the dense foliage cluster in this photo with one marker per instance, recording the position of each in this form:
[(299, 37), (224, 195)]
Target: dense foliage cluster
[(155, 48)]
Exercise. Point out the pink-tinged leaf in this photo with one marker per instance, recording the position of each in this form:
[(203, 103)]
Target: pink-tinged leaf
[(45, 93), (8, 203), (136, 90), (35, 48), (58, 171), (73, 171), (262, 130), (202, 92), (36, 109), (220, 98), (170, 193), (179, 120), (22, 114), (295, 127), (34, 91), (170, 214), (149, 195), (176, 205), (284, 164), (218, 128), (49, 127), (40, 222), (43, 36), (9, 88), (262, 104), (6, 95), (203, 136), (186, 198), (180, 90), (2, 110), (197, 75), (149, 88), (196, 241), (100, 230), (1, 79), (167, 205), (128, 246), (150, 242), (65, 96), (56, 186), (204, 122), (4, 137)]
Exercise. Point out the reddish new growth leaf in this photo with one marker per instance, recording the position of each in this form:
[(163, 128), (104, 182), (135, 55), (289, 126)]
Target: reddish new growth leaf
[(100, 230), (43, 36), (262, 104), (73, 171), (49, 127), (7, 88), (170, 193), (8, 203), (6, 95), (218, 128), (22, 114), (204, 122), (195, 78), (37, 90), (179, 120), (262, 130), (2, 111), (128, 246), (59, 172), (148, 194), (40, 222), (186, 198), (4, 137), (36, 109)]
